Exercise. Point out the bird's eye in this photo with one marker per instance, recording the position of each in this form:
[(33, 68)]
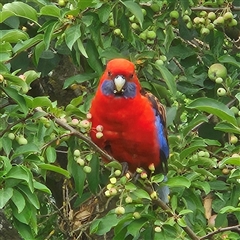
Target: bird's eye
[(131, 76), (109, 74)]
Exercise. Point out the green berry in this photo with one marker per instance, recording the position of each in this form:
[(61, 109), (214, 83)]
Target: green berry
[(117, 31), (87, 169), (76, 153), (11, 136), (221, 92), (119, 210), (151, 34), (128, 199), (22, 141), (174, 14), (136, 215), (211, 16), (233, 139)]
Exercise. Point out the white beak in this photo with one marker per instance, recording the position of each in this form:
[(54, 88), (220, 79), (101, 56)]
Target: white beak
[(119, 82)]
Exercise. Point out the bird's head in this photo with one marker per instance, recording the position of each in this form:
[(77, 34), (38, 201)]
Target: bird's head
[(120, 79)]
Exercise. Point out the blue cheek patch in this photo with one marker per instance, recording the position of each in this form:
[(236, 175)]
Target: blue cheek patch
[(130, 90), (107, 87)]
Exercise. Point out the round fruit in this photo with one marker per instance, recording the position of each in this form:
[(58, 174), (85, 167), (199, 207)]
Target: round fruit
[(217, 70), (157, 229), (76, 153), (174, 14), (233, 23), (225, 171), (234, 110), (136, 215), (159, 62), (135, 26), (80, 161), (228, 16), (99, 135), (212, 16), (117, 173), (11, 136), (87, 169), (119, 210), (143, 35), (22, 141), (155, 7), (75, 121), (128, 199), (219, 21), (153, 195), (221, 92), (219, 80), (61, 3), (204, 31), (233, 139), (151, 34), (144, 12), (196, 20), (186, 18), (117, 31)]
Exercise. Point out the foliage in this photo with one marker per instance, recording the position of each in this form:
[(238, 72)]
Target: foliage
[(173, 44)]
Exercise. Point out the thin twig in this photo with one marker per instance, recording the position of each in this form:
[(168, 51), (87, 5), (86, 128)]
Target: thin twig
[(214, 9), (231, 228)]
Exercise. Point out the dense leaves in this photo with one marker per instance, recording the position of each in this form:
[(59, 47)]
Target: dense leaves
[(53, 184)]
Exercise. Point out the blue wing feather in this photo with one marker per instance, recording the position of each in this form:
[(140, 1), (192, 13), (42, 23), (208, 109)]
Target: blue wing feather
[(160, 123)]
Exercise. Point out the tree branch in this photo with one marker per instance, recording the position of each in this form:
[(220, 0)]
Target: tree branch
[(213, 9), (231, 228)]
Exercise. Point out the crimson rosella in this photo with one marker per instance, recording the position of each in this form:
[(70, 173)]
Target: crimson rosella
[(133, 120)]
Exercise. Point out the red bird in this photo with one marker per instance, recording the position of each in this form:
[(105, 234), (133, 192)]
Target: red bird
[(133, 120)]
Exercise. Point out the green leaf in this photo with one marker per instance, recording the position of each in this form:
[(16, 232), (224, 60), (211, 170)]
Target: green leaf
[(5, 165), (51, 154), (50, 10), (24, 45), (178, 182), (26, 149), (214, 107), (169, 79), (5, 195), (81, 48), (79, 78), (13, 93), (169, 37), (31, 196), (227, 127), (31, 75), (229, 59), (140, 193), (174, 202), (49, 32), (7, 145), (135, 9), (54, 168), (181, 222), (21, 9), (93, 176), (93, 61), (230, 160), (18, 200), (104, 12), (23, 173), (5, 15), (41, 187), (185, 211), (42, 101), (12, 36), (229, 209), (73, 33), (202, 185)]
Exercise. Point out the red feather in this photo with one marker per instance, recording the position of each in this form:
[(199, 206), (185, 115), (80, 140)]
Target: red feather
[(129, 131)]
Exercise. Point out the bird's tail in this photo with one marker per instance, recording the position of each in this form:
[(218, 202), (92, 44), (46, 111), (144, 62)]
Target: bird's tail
[(163, 191)]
